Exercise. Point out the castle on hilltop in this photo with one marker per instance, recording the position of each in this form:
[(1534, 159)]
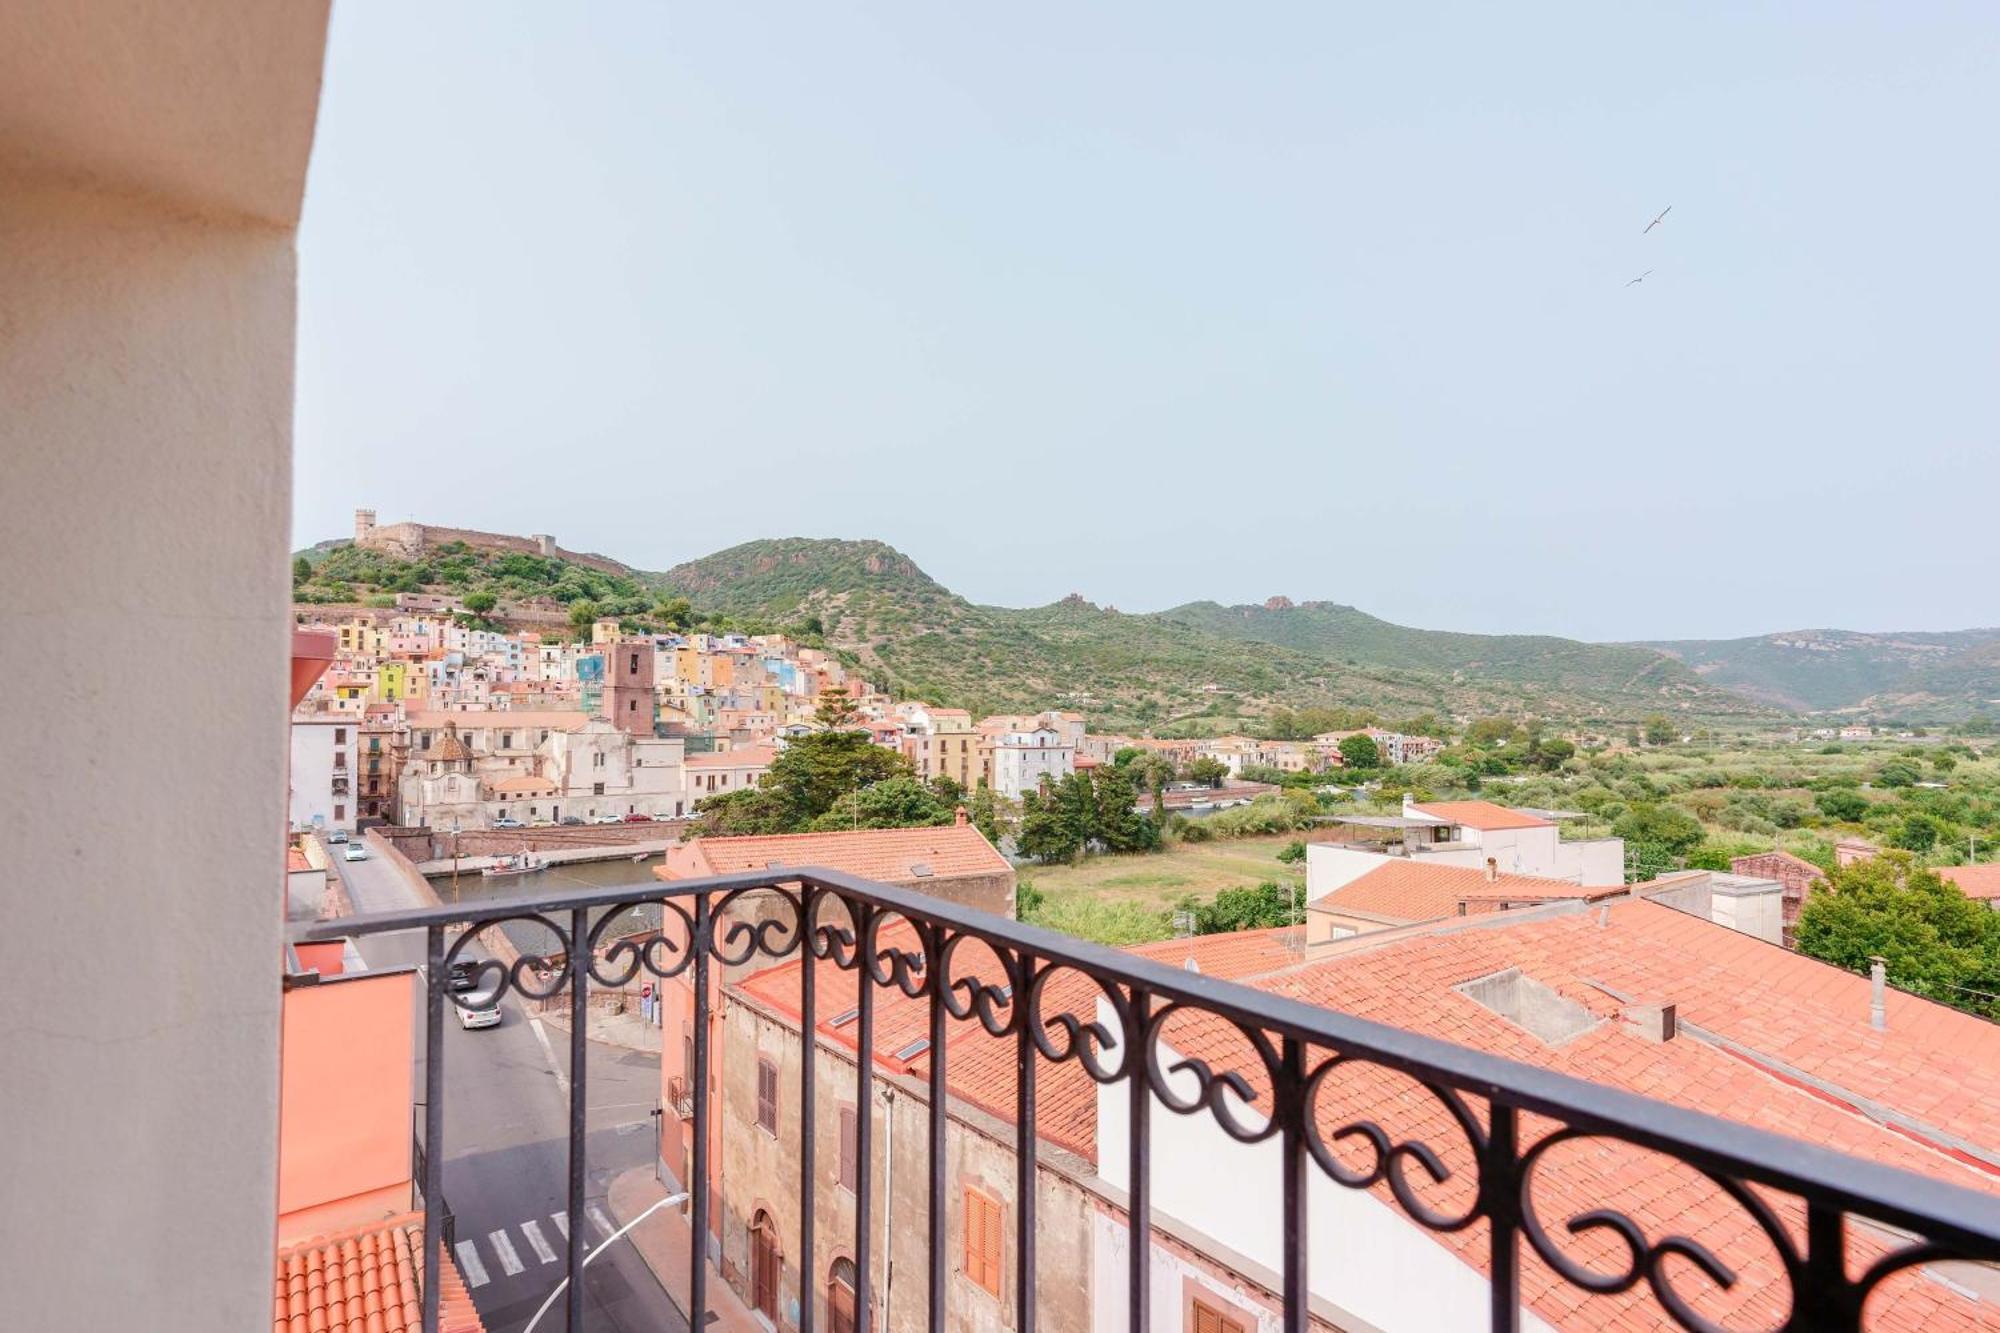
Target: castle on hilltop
[(412, 541)]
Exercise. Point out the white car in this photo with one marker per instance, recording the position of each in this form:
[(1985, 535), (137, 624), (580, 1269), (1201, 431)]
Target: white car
[(484, 1013), (609, 819), (354, 851)]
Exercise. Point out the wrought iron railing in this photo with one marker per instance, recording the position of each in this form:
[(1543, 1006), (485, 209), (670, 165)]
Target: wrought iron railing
[(1293, 1050)]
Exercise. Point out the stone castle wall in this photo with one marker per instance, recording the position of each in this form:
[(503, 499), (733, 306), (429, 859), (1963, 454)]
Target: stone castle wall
[(409, 541)]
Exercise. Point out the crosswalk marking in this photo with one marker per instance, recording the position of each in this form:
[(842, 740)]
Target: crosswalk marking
[(562, 1223), (503, 1250), (597, 1216), (536, 1242), (468, 1264)]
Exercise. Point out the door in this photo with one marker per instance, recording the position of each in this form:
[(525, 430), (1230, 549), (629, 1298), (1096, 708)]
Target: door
[(764, 1265), (840, 1297)]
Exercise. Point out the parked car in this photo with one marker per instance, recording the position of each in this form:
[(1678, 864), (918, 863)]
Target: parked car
[(339, 835), (356, 852), (464, 974), (608, 819), (572, 820), (636, 818), (508, 823), (485, 1012)]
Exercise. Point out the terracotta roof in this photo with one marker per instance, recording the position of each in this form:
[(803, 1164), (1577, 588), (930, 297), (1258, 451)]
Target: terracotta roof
[(750, 756), (555, 719), (295, 861), (524, 784), (1414, 889), (883, 854), (1483, 815), (1768, 1038), (1981, 882), (450, 749), (366, 1280)]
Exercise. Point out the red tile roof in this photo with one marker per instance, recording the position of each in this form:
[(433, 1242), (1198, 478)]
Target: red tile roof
[(884, 854), (1414, 889), (366, 1280), (1977, 881), (1768, 1038), (1482, 815), (749, 756)]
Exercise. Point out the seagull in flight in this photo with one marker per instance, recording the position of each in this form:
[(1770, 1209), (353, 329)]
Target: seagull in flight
[(1641, 278), (1658, 220)]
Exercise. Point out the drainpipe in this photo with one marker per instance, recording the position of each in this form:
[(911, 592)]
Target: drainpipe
[(1878, 992), (888, 1203)]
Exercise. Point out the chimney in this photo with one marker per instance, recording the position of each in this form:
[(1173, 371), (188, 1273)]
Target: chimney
[(1408, 804), (1650, 1022), (1492, 870), (962, 817), (1878, 992)]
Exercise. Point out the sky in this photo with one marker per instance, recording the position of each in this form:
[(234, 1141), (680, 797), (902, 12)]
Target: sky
[(1158, 302)]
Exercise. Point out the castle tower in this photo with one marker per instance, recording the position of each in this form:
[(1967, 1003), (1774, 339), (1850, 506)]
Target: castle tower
[(364, 526), (628, 686)]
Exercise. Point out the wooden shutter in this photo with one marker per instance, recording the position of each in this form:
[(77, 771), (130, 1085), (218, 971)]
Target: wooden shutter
[(1207, 1319), (982, 1240), (849, 1168), (767, 1095)]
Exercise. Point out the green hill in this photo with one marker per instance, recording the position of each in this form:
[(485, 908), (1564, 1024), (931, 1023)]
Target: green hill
[(1562, 666), (1917, 675)]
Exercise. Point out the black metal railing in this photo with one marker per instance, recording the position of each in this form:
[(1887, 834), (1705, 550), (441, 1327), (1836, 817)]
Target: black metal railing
[(1810, 1203)]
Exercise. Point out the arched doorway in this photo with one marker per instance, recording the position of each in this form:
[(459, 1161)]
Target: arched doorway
[(840, 1297), (766, 1262)]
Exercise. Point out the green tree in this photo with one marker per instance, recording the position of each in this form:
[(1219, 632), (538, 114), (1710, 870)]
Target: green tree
[(1935, 941), (898, 802), (1842, 803), (1899, 773), (582, 612), (302, 570), (1293, 853), (1264, 907), (1359, 751), (1044, 833), (479, 603), (676, 613), (836, 708), (1944, 762), (1208, 771), (1918, 832), (1549, 753), (984, 811), (1659, 730), (1120, 826), (1667, 827)]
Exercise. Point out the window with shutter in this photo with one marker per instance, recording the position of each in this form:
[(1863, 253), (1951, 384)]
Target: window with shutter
[(982, 1240), (767, 1096), (1208, 1319), (850, 1172)]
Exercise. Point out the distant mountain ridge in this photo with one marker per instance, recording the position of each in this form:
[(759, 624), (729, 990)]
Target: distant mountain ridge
[(1922, 674), (1206, 666)]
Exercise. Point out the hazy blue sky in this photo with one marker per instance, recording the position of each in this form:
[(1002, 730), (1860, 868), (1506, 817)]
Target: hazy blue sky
[(1156, 302)]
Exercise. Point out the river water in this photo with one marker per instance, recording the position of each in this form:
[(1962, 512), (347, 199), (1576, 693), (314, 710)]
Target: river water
[(531, 938)]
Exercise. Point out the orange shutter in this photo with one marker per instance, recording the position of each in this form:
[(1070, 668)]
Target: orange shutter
[(982, 1240)]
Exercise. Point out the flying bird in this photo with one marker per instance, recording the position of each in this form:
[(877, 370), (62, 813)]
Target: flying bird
[(1641, 278), (1658, 220)]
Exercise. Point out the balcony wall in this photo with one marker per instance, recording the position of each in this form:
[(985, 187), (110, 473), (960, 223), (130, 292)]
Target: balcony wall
[(152, 163)]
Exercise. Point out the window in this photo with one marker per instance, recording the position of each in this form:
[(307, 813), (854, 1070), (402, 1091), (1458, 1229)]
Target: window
[(597, 759), (597, 789), (850, 1170), (982, 1239), (767, 1097), (339, 813), (506, 740), (340, 735), (1203, 1317)]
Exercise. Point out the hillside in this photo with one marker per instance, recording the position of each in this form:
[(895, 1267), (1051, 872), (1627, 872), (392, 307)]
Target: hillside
[(343, 572), (1917, 675), (1562, 666), (1177, 667)]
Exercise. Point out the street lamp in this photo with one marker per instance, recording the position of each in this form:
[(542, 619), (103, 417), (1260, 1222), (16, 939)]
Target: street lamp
[(454, 861)]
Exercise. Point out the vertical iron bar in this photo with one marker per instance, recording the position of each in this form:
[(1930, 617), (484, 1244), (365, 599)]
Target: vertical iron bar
[(938, 1218), (864, 1115), (808, 1103), (434, 994), (1822, 1297), (1288, 1103), (698, 1175), (1024, 1148), (1138, 1184), (1498, 1174), (579, 1018)]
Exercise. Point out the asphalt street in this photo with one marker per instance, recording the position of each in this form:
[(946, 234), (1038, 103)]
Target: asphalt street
[(506, 1132)]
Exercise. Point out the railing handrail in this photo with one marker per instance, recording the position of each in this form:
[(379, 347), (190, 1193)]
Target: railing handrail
[(1938, 1209)]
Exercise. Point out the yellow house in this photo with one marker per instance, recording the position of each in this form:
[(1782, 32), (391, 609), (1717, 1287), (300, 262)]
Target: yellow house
[(392, 681)]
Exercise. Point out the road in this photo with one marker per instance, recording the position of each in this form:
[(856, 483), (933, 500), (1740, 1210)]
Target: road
[(506, 1135)]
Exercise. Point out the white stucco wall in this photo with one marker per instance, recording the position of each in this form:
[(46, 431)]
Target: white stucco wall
[(151, 167), (1366, 1256)]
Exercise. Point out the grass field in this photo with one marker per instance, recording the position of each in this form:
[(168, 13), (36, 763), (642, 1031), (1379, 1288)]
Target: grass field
[(1129, 899)]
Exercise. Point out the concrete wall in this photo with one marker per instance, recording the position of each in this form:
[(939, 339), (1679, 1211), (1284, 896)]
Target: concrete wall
[(152, 164)]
